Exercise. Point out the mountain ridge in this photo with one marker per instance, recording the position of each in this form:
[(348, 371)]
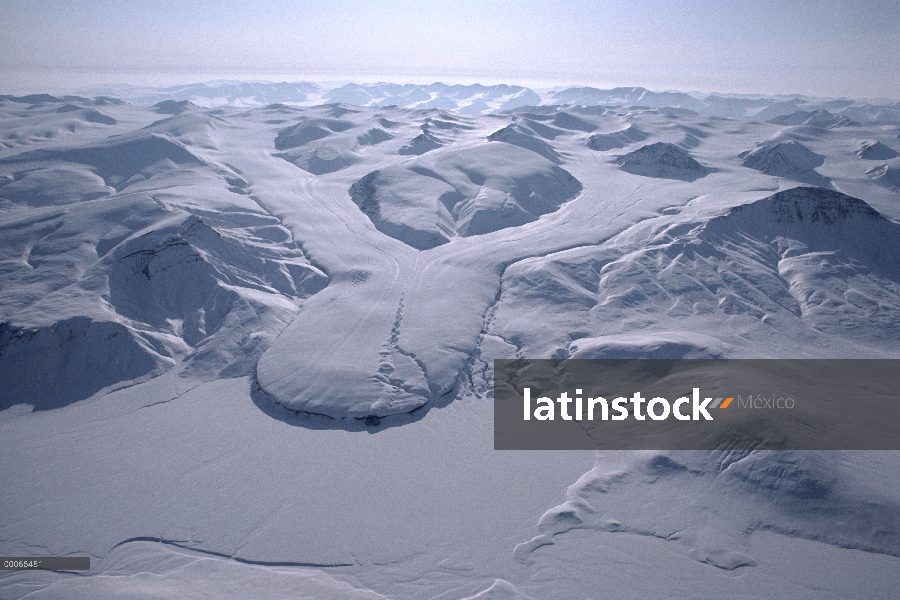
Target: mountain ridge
[(484, 99)]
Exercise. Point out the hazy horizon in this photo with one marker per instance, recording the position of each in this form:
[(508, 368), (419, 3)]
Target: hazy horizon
[(824, 48)]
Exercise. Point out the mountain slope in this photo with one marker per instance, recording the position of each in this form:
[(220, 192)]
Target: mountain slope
[(662, 160), (801, 265)]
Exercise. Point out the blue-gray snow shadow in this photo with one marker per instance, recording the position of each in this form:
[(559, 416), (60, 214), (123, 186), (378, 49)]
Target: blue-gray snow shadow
[(69, 361)]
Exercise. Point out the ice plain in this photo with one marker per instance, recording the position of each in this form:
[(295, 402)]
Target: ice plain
[(246, 347)]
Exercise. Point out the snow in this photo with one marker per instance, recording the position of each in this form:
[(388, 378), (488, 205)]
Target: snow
[(786, 159), (527, 137), (875, 150), (376, 135), (247, 349), (887, 174), (618, 139), (799, 263), (486, 99), (433, 199), (754, 511), (816, 118), (421, 144), (71, 360), (661, 160)]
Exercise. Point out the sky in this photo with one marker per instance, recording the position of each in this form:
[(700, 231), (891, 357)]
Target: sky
[(829, 48)]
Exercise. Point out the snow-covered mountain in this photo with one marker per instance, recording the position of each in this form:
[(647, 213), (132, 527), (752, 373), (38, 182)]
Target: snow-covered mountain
[(247, 333), (662, 160), (485, 99)]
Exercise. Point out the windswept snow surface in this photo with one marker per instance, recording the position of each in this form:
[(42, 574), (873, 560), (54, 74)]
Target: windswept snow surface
[(246, 347)]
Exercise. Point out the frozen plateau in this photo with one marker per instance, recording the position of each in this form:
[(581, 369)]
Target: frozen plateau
[(247, 333)]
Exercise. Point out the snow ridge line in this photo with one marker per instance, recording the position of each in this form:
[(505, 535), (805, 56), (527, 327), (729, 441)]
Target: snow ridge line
[(246, 561)]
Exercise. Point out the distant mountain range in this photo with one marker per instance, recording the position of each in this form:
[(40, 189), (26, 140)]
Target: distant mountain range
[(484, 99)]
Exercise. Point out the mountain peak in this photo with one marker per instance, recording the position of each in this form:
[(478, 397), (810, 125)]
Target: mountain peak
[(663, 160)]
